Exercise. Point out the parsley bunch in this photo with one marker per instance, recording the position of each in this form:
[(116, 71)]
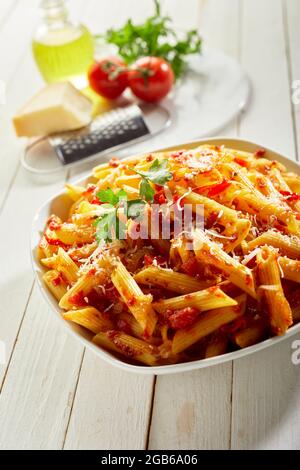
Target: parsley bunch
[(155, 37), (110, 221)]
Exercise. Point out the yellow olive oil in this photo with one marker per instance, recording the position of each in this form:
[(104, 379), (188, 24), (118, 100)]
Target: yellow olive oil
[(62, 50)]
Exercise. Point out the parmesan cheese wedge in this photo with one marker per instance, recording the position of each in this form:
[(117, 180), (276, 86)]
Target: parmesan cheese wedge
[(56, 108)]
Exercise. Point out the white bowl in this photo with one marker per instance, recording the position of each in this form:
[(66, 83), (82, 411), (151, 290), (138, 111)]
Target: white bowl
[(59, 205)]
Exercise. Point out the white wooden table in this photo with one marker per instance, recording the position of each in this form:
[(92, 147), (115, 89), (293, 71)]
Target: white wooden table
[(56, 395)]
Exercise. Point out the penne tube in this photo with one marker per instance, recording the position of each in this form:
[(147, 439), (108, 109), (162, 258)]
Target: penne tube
[(208, 323), (171, 280), (49, 263), (293, 182), (90, 318), (267, 210), (287, 245), (203, 300), (83, 252), (74, 297), (139, 304), (226, 216), (74, 192), (70, 234), (217, 345), (209, 252), (129, 346), (280, 314), (251, 334), (66, 266), (55, 283), (290, 268)]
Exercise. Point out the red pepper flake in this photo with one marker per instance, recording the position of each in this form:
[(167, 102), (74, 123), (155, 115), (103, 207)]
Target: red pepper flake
[(53, 222), (260, 152), (182, 318), (160, 197), (241, 162), (289, 196), (177, 154), (131, 301), (149, 260), (90, 188), (218, 188), (298, 216), (114, 162), (149, 158), (57, 280), (95, 200), (78, 299), (55, 242)]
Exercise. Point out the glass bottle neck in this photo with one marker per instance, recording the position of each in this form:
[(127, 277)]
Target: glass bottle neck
[(54, 12)]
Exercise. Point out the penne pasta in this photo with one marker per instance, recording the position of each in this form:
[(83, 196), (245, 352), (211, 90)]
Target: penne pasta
[(208, 323), (171, 280), (290, 268), (55, 283), (251, 334), (90, 318), (217, 345), (203, 300), (139, 304), (131, 347), (211, 253), (279, 310), (287, 245)]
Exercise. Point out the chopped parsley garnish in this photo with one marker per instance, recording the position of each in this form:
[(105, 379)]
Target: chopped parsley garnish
[(158, 173), (109, 224)]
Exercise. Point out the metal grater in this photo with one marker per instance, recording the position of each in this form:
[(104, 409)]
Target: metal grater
[(107, 131)]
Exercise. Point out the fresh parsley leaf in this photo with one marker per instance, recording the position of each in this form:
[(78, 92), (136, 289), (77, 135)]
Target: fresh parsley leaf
[(108, 196), (155, 37), (146, 190), (158, 172)]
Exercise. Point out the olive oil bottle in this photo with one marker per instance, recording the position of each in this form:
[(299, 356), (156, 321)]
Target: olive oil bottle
[(62, 50)]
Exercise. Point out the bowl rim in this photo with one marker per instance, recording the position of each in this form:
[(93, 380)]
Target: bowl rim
[(75, 331)]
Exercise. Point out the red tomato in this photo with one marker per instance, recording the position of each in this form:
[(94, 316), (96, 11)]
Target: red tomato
[(108, 77), (151, 78)]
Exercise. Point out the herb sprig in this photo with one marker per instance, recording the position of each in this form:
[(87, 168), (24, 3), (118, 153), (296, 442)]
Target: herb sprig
[(157, 173), (155, 37), (110, 221)]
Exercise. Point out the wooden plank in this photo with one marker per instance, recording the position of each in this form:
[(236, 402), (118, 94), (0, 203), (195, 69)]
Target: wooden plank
[(37, 396), (266, 411), (192, 410), (269, 119), (291, 19), (7, 8), (111, 409), (188, 412), (266, 402)]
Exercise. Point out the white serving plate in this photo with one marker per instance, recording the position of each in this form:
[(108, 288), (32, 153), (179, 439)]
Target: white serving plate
[(59, 205)]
